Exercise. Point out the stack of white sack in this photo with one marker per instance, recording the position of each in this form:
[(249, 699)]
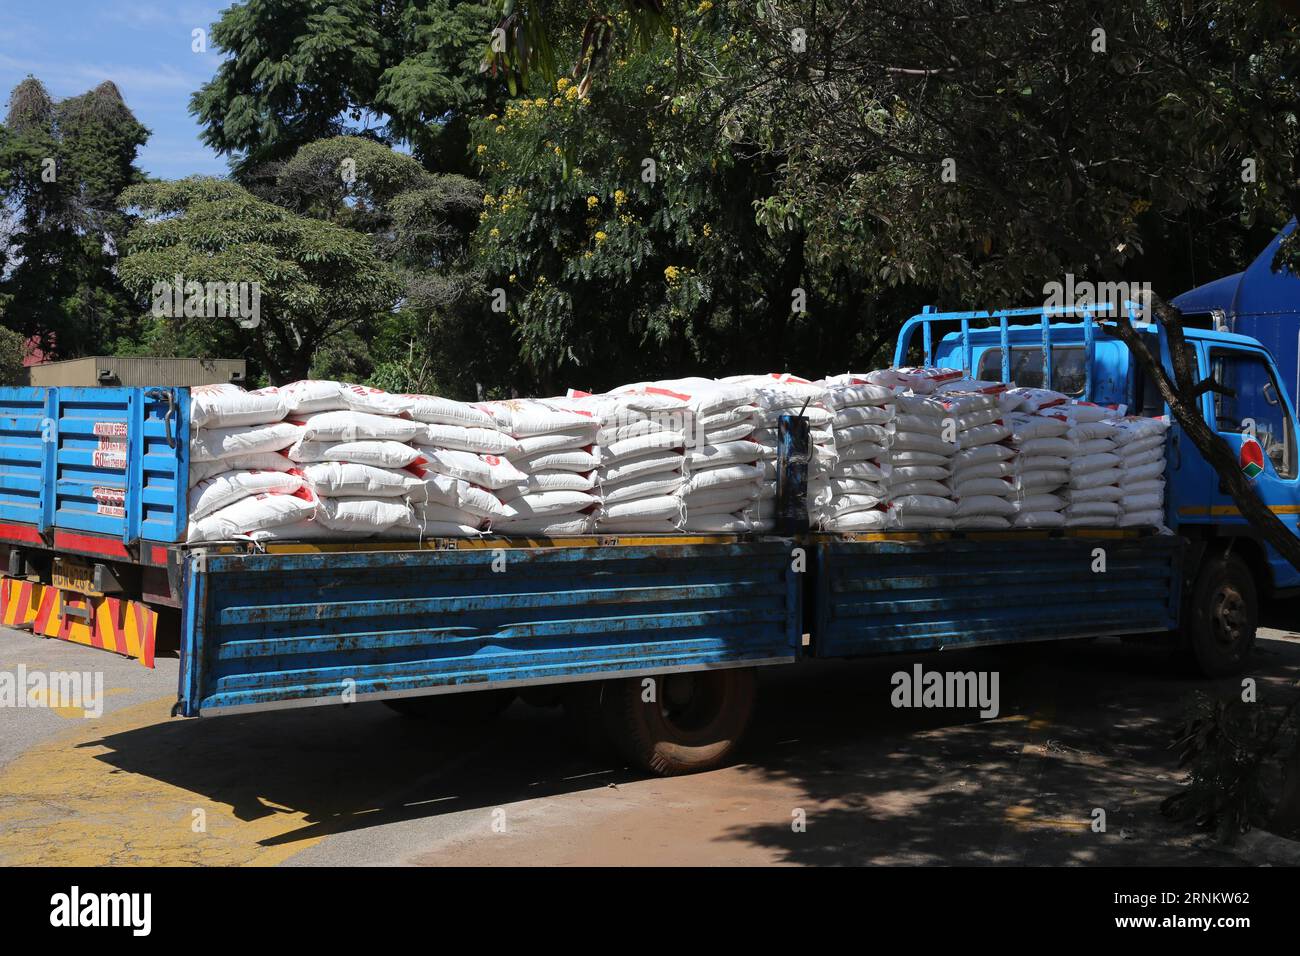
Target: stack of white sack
[(723, 470), (1140, 445), (641, 455), (352, 448), (855, 496), (1091, 496), (1042, 455), (980, 475), (240, 481), (923, 444), (544, 473), (780, 394), (448, 467)]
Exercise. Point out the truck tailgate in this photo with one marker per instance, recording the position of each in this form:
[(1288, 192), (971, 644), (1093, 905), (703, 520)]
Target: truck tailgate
[(266, 630)]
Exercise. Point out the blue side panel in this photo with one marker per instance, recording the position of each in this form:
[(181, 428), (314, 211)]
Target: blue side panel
[(164, 464), (22, 414), (298, 629), (107, 461), (91, 485), (876, 597)]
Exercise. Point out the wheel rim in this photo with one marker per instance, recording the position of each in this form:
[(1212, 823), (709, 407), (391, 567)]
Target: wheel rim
[(690, 701), (1228, 616)]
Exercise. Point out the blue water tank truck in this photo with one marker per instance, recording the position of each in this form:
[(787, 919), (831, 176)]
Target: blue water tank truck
[(654, 640)]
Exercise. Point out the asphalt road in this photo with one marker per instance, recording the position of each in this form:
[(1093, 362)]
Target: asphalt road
[(830, 774)]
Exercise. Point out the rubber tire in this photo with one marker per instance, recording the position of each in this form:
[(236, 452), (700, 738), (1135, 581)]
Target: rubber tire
[(652, 741), (1224, 601), (467, 709)]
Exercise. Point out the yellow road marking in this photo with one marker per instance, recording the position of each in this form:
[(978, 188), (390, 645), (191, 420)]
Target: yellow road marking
[(68, 711), (1022, 818), (64, 802)]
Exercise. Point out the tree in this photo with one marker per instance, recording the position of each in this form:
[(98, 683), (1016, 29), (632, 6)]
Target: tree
[(13, 349), (977, 149), (620, 226), (312, 281), (980, 150), (62, 166), (297, 72), (420, 223)]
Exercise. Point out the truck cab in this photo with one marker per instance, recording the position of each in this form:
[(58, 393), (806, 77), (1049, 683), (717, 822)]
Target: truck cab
[(1068, 350)]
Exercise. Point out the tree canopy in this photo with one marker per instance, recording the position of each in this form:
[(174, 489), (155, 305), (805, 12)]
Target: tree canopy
[(62, 166), (315, 280), (301, 70)]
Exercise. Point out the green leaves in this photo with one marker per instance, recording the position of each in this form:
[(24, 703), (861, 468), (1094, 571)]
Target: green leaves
[(296, 68), (62, 165), (1235, 753), (315, 279)]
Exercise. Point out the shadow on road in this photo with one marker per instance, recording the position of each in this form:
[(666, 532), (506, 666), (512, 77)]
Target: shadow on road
[(1081, 727)]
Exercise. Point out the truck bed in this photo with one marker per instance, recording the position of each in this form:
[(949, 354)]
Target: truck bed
[(309, 624)]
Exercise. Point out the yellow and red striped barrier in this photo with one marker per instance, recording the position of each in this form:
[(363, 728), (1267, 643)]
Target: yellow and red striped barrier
[(112, 624)]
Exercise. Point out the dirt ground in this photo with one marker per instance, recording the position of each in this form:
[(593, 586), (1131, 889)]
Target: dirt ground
[(831, 773)]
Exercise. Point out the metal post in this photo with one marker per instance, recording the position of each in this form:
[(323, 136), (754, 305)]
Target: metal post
[(792, 456)]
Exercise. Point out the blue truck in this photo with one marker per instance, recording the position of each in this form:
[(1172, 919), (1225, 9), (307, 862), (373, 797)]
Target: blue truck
[(651, 641)]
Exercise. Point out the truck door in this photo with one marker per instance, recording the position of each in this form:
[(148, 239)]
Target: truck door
[(1258, 421)]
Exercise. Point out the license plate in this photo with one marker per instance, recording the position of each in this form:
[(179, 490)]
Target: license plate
[(73, 576)]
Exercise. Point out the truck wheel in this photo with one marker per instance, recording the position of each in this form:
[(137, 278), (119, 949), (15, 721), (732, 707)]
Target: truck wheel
[(1219, 631), (694, 722), (456, 710)]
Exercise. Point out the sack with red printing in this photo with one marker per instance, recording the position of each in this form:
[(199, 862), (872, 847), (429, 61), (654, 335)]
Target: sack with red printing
[(258, 461), (254, 513), (214, 444), (313, 395), (375, 401), (1037, 399), (347, 479), (922, 380), (215, 493), (701, 395), (487, 471), (229, 406), (525, 417)]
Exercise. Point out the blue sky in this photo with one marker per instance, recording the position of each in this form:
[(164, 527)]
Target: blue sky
[(144, 46)]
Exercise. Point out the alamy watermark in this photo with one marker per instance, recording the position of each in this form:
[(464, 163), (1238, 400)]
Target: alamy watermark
[(951, 690), (133, 911), (182, 299), (53, 690), (1101, 298)]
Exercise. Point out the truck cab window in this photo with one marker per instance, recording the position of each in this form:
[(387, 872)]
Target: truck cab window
[(1068, 372), (1257, 399)]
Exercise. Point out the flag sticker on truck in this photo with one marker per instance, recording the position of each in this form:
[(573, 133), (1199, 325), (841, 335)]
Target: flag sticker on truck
[(1251, 458)]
